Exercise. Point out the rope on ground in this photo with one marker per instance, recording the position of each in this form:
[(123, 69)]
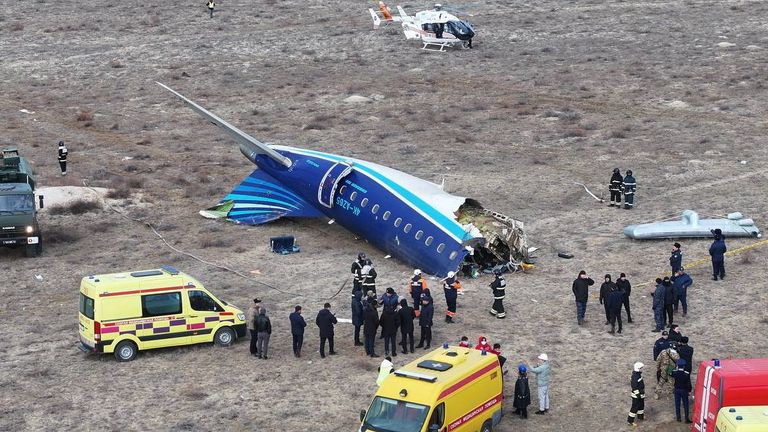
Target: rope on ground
[(700, 262), (177, 250)]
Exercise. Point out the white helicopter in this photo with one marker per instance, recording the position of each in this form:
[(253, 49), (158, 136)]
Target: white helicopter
[(435, 28)]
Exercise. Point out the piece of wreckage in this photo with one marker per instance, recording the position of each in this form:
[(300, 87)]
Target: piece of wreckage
[(690, 226), (409, 218)]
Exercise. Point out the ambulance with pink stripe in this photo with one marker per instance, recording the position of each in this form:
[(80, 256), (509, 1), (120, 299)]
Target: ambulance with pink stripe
[(123, 313), (451, 389)]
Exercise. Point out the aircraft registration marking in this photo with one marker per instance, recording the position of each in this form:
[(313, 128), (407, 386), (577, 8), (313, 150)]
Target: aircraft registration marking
[(346, 205)]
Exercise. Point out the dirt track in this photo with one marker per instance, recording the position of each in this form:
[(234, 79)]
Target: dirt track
[(554, 92)]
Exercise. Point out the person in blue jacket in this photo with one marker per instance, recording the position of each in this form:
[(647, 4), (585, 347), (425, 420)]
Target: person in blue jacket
[(682, 281), (297, 330), (357, 314), (717, 252)]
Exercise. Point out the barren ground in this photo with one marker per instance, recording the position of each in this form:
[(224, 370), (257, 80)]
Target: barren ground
[(555, 92)]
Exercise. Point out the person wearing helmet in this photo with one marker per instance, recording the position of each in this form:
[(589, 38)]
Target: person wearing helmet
[(63, 153), (357, 272), (438, 7), (368, 277), (415, 286), (614, 187), (542, 380), (629, 184), (451, 287), (498, 289), (522, 396), (682, 389), (637, 411)]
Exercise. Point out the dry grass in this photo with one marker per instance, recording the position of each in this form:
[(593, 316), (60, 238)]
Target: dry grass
[(76, 207)]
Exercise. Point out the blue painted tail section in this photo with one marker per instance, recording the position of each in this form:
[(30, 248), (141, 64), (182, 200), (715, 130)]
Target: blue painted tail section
[(260, 198)]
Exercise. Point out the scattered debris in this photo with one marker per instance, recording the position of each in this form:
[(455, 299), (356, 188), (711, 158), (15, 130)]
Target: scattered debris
[(357, 99), (26, 111), (283, 245), (39, 277), (589, 192), (726, 45), (256, 272), (677, 104), (565, 255)]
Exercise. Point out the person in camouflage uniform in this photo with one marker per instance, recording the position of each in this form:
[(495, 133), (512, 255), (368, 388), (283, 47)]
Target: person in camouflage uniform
[(666, 364)]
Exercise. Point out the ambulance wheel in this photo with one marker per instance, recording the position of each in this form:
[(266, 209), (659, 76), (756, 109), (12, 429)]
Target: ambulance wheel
[(487, 426), (224, 337), (125, 351)]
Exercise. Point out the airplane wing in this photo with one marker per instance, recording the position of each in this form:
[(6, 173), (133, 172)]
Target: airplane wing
[(249, 145)]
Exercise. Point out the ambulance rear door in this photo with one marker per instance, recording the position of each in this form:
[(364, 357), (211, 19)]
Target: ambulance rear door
[(710, 398)]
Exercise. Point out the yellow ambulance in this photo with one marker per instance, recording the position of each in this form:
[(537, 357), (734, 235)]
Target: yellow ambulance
[(449, 389), (123, 313), (742, 419)]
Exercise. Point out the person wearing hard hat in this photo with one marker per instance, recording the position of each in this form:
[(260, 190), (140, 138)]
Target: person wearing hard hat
[(498, 288), (451, 287), (357, 272), (385, 369), (522, 393), (542, 373), (614, 187), (637, 411), (415, 286)]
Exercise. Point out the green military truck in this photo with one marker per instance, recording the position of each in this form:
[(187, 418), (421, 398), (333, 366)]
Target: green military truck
[(18, 213)]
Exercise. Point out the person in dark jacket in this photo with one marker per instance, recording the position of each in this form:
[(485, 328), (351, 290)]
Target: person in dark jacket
[(371, 318), (669, 301), (614, 301), (674, 334), (405, 316), (605, 289), (389, 300), (415, 286), (522, 396), (451, 286), (297, 330), (368, 277), (661, 344), (357, 314), (630, 186), (686, 353), (63, 153), (658, 305), (614, 187), (425, 322), (389, 323), (681, 282), (637, 411), (357, 272), (325, 321), (263, 332), (717, 252), (498, 290), (580, 290), (623, 283), (676, 259), (682, 389)]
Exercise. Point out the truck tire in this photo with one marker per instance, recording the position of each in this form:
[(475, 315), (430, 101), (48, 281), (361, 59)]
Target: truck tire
[(487, 426), (126, 351), (224, 337), (35, 250)]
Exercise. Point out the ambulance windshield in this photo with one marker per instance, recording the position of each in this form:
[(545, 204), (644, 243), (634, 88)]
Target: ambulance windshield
[(390, 415)]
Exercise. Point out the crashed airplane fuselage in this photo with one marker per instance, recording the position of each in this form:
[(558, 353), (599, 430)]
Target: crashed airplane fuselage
[(410, 218)]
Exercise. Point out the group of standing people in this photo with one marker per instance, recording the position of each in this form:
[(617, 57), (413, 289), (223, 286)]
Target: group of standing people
[(626, 185), (613, 295)]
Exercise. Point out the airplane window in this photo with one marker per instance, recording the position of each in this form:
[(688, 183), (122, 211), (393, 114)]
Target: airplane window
[(407, 228), (375, 208), (440, 248), (452, 256), (364, 202), (419, 234), (398, 221), (353, 196), (342, 189), (386, 215), (428, 241)]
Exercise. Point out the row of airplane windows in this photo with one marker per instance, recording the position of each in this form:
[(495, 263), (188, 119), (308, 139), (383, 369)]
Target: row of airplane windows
[(398, 221)]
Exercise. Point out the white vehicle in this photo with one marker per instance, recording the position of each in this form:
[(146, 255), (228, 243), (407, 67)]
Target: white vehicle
[(435, 28)]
